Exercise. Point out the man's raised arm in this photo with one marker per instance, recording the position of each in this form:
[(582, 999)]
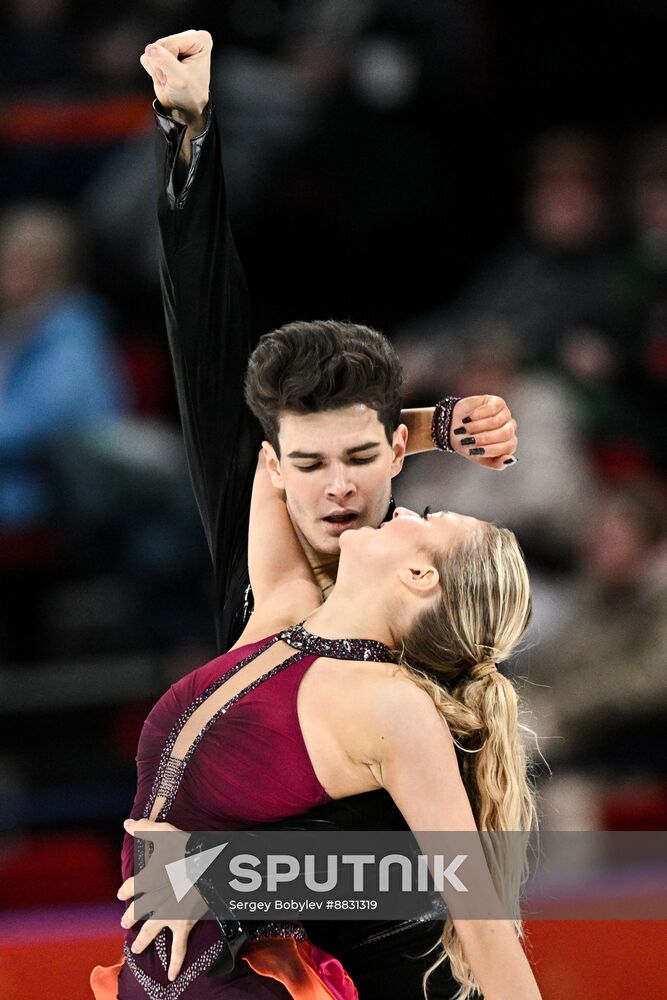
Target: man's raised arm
[(206, 303)]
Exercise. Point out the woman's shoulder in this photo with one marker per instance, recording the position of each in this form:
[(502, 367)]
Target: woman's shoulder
[(370, 689)]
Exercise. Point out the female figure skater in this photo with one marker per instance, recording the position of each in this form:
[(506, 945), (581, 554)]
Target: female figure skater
[(298, 715)]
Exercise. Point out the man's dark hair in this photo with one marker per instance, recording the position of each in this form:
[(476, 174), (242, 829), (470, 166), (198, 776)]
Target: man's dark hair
[(323, 365)]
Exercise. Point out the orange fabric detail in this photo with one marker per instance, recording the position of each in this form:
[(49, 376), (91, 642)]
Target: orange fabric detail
[(291, 963), (104, 981)]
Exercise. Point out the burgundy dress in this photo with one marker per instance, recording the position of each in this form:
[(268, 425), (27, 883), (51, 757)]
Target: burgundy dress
[(247, 766)]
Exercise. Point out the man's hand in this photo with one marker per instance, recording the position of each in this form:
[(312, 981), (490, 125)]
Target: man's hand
[(160, 896), (180, 68), (484, 431)]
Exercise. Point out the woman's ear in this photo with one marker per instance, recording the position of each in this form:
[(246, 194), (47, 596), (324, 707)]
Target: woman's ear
[(421, 580), (273, 465)]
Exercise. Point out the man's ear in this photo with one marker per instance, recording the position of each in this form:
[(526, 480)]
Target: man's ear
[(421, 580), (399, 444), (273, 465)]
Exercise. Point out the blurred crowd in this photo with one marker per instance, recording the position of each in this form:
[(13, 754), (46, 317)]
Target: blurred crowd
[(372, 175)]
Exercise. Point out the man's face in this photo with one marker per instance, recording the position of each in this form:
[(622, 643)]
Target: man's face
[(336, 469)]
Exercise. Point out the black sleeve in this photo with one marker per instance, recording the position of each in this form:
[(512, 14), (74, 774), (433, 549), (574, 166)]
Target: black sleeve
[(210, 338)]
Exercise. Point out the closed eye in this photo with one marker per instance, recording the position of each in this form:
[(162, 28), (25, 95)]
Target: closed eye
[(427, 511)]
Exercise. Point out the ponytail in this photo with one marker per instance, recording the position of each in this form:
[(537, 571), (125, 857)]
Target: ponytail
[(452, 653)]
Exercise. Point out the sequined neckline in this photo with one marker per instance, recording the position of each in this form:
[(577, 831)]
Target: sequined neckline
[(339, 649)]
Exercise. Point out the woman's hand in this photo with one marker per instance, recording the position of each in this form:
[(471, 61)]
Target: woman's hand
[(160, 898), (484, 431)]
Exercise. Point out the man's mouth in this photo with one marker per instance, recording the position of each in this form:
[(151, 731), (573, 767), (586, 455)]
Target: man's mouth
[(343, 519)]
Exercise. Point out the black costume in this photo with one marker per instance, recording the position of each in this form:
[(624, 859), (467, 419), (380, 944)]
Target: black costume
[(208, 324)]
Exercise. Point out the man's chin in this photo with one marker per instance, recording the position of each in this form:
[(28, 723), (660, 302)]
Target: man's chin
[(329, 535), (326, 543)]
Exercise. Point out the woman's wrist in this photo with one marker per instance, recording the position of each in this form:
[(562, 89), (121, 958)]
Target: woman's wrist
[(429, 427)]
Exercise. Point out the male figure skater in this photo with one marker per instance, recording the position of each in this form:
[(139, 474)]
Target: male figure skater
[(331, 483), (324, 396)]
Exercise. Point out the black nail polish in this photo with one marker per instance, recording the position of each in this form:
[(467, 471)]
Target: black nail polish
[(468, 441), (460, 430), (467, 420), (476, 451), (510, 461)]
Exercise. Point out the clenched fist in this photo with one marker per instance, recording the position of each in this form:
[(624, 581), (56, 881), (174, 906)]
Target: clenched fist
[(180, 68), (484, 430)]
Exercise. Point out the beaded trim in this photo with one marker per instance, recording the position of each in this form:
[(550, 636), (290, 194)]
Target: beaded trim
[(441, 423), (399, 928), (277, 929), (159, 991), (171, 769), (208, 958), (171, 777), (180, 722), (339, 649), (161, 948), (173, 785)]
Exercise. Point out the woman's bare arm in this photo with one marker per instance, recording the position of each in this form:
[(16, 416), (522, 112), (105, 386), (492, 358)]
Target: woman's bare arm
[(280, 575), (487, 420), (414, 759)]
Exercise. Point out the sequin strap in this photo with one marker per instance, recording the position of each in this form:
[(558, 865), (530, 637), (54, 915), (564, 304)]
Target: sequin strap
[(338, 649), (171, 769), (166, 771)]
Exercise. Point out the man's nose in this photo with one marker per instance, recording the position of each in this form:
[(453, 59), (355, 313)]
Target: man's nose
[(340, 485)]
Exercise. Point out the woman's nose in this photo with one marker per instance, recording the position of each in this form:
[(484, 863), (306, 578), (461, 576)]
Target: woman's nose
[(401, 512)]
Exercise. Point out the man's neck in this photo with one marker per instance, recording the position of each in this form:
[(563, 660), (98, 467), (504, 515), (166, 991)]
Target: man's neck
[(324, 565)]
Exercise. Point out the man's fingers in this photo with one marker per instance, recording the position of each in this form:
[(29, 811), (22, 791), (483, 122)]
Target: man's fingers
[(179, 944), (155, 73), (148, 933), (139, 826), (187, 43), (129, 918), (167, 63), (126, 890)]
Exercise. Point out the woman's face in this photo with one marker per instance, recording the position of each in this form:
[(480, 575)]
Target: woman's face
[(408, 538)]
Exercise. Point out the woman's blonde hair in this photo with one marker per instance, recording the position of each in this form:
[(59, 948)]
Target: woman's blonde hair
[(451, 652)]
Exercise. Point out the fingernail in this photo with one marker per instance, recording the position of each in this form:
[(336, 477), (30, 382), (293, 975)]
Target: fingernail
[(133, 947), (128, 822), (468, 441), (467, 420), (151, 50), (510, 461), (460, 430), (476, 451)]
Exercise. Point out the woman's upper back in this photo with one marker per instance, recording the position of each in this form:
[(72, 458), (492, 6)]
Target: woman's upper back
[(244, 761)]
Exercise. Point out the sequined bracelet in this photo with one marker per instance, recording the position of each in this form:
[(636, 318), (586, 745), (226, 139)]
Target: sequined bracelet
[(441, 425)]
